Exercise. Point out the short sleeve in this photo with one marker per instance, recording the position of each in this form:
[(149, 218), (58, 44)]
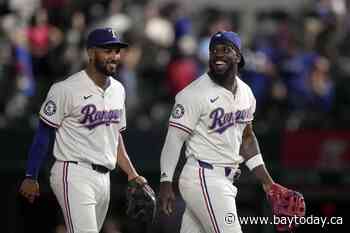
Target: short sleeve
[(56, 106), (123, 120), (122, 123), (247, 115), (251, 110), (185, 113)]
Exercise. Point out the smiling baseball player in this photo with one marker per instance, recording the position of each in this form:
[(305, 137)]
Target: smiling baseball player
[(83, 117), (213, 117)]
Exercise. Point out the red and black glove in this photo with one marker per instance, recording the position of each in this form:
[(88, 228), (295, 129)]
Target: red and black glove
[(286, 203)]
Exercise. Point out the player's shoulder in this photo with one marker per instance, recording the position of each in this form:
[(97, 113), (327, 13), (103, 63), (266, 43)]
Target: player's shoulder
[(69, 85), (58, 86), (245, 87), (117, 87), (116, 84), (242, 84), (71, 81), (196, 88)]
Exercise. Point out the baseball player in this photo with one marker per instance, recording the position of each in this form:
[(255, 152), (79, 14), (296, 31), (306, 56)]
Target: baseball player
[(83, 117), (213, 117)]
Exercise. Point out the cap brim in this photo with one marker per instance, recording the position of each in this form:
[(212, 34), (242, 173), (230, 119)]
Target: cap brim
[(220, 40), (113, 45)]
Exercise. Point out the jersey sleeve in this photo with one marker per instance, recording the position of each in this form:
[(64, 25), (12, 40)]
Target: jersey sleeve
[(185, 113), (252, 108), (56, 106), (123, 120), (247, 115), (122, 124)]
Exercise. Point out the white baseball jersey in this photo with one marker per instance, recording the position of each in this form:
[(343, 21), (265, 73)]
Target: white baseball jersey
[(215, 119), (88, 119)]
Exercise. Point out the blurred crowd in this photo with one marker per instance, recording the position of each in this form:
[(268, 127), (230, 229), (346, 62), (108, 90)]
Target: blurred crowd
[(296, 62)]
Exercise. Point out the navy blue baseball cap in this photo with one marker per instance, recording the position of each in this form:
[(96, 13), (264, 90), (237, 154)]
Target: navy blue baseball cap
[(104, 37), (228, 37)]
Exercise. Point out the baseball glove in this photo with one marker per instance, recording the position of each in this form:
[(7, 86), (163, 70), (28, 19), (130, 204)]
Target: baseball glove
[(286, 203), (141, 200)]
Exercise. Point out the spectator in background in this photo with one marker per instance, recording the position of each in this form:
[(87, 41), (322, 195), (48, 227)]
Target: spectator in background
[(43, 38), (24, 10), (38, 34), (58, 11), (128, 73), (116, 18), (321, 86), (74, 43), (182, 68), (320, 94), (158, 38), (18, 65)]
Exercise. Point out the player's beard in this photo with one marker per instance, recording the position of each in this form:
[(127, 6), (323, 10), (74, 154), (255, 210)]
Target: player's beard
[(108, 68), (220, 77)]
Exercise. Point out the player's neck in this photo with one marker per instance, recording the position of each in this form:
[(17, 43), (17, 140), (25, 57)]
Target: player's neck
[(99, 79), (231, 83), (228, 81)]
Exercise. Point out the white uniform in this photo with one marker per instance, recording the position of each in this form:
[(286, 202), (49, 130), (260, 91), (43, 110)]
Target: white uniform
[(215, 120), (88, 121)]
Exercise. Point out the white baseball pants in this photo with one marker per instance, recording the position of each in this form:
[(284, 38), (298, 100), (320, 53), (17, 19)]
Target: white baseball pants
[(210, 200), (83, 195)]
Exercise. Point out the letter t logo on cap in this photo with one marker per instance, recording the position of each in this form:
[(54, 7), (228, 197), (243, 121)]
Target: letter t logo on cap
[(114, 33)]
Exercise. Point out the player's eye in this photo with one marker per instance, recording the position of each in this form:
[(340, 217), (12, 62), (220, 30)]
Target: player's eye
[(224, 50), (227, 50), (110, 50)]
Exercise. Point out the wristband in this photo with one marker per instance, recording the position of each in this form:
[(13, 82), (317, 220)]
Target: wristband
[(254, 161)]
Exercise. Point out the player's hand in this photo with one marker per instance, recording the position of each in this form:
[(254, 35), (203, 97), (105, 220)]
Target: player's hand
[(267, 186), (167, 197), (29, 189), (138, 179)]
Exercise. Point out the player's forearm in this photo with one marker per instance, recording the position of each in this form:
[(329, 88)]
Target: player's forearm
[(250, 151), (171, 153), (42, 141), (263, 176), (257, 166), (123, 160)]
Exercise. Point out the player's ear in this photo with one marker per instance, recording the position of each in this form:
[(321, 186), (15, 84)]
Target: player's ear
[(91, 53), (237, 58)]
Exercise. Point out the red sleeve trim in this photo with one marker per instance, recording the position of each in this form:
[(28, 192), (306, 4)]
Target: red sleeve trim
[(50, 123), (180, 126)]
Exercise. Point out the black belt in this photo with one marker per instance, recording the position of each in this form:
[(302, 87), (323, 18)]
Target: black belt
[(96, 167), (211, 167)]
